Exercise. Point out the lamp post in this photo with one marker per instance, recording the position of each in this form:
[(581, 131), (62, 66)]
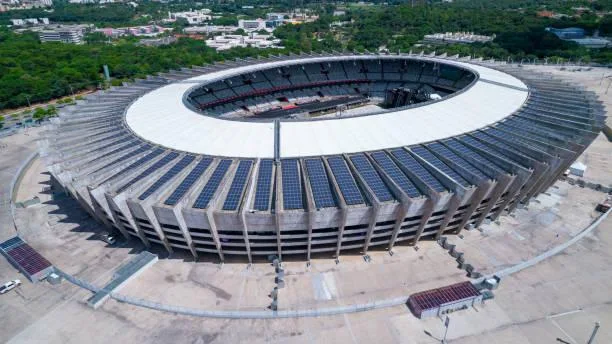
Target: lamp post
[(595, 329)]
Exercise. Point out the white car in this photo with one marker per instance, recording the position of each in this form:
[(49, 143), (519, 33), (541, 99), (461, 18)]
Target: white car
[(8, 286)]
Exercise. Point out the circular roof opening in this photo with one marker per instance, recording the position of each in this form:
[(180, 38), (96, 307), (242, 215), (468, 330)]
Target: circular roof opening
[(306, 90)]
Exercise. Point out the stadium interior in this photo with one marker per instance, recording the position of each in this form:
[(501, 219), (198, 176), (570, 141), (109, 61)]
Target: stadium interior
[(306, 90)]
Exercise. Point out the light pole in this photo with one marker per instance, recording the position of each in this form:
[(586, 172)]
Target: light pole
[(594, 333), (446, 323)]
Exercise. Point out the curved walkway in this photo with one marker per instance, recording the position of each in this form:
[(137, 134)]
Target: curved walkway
[(14, 172), (316, 312)]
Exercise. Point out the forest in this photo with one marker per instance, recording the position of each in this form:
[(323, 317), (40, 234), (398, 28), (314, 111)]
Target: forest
[(32, 72)]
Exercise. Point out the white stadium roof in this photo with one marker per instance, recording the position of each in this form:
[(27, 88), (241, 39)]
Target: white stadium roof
[(162, 117)]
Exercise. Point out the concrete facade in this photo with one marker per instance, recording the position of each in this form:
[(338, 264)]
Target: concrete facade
[(461, 181)]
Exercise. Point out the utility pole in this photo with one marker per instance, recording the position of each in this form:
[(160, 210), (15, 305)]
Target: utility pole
[(446, 323), (594, 333)]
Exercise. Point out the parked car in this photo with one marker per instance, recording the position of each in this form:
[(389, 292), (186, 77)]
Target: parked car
[(109, 239), (10, 285)]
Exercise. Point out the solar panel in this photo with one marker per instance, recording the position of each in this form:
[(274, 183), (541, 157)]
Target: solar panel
[(212, 185), (234, 195), (292, 188), (137, 163), (516, 138), (319, 183), (534, 134), (531, 126), (438, 148), (176, 169), (115, 151), (11, 243), (126, 156), (466, 151), (188, 182), (349, 189), (156, 166), (396, 174), (410, 163), (264, 183), (430, 158), (371, 177)]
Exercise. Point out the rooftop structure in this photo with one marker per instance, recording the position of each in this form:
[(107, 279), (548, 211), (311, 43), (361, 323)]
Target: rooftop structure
[(211, 159), (225, 42), (567, 33), (436, 302), (457, 37), (63, 33), (34, 266), (192, 17)]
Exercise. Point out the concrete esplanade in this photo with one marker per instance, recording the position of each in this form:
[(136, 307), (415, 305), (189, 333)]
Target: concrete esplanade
[(158, 160)]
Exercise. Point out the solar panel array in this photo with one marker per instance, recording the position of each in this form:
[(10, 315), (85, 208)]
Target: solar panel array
[(135, 152), (319, 184), (188, 182), (264, 184), (466, 151), (212, 185), (348, 187), (396, 174), (410, 163), (11, 243), (371, 177), (176, 169), (26, 258), (138, 163), (292, 187), (234, 195), (491, 140), (448, 154), (432, 159), (117, 150), (156, 166)]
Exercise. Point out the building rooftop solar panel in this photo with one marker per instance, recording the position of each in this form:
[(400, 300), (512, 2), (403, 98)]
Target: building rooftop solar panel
[(264, 185), (432, 159), (436, 297), (135, 152), (466, 151), (156, 166), (176, 169), (448, 154), (116, 150), (11, 243), (346, 183), (410, 163), (319, 183), (292, 186), (188, 182), (232, 200), (396, 174), (137, 163), (28, 259), (212, 185), (25, 257), (371, 177)]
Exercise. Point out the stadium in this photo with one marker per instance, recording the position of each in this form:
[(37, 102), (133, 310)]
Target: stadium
[(318, 154)]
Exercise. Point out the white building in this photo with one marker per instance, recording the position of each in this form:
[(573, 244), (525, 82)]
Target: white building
[(252, 24), (17, 22), (65, 34), (456, 37), (225, 42), (210, 29), (193, 17)]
